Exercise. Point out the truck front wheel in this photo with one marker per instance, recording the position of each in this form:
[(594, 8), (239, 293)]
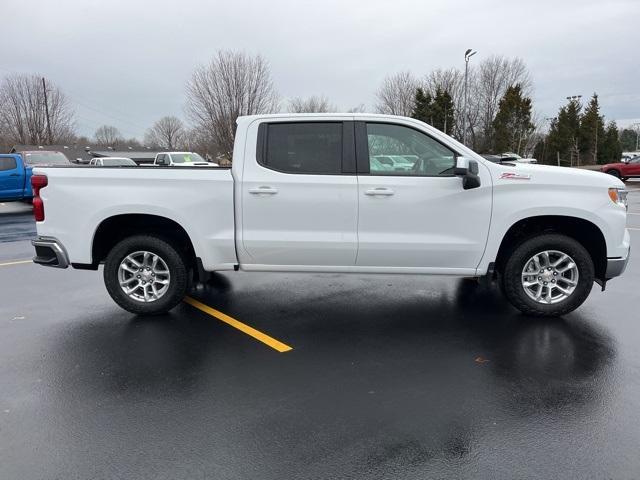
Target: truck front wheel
[(548, 275), (145, 275)]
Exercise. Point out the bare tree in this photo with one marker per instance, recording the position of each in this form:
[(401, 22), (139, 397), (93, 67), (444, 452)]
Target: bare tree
[(231, 85), (108, 135), (495, 74), (34, 111), (313, 104), (167, 133), (396, 95)]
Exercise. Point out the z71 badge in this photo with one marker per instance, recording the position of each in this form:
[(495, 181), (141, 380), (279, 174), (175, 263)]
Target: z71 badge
[(514, 176)]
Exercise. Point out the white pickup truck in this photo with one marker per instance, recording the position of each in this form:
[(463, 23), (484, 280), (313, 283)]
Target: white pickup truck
[(305, 194)]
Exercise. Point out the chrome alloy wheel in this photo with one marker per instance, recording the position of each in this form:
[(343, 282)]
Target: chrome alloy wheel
[(144, 276), (550, 277)]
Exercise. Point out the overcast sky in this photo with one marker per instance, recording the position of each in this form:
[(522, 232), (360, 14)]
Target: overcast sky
[(126, 63)]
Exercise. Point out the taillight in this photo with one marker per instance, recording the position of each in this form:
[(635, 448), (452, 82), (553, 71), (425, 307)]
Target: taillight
[(38, 182)]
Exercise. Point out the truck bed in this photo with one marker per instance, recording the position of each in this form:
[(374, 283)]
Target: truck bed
[(198, 199)]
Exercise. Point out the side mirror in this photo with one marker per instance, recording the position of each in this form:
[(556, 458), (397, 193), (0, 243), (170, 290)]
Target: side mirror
[(468, 170)]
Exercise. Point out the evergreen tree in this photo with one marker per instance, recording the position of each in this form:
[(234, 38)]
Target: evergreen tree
[(611, 150), (628, 140), (422, 108), (591, 135), (563, 134), (512, 125), (442, 111), (437, 111)]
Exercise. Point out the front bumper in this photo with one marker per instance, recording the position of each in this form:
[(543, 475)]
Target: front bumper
[(617, 266), (50, 252)]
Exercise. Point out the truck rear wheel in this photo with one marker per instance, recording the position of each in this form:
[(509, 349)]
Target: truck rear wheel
[(145, 275), (548, 275)]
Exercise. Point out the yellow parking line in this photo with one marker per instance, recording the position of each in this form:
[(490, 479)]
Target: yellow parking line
[(252, 332), (15, 262)]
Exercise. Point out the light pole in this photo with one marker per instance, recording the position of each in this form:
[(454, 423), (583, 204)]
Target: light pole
[(467, 55)]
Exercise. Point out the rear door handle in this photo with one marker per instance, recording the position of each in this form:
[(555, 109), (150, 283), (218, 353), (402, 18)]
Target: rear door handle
[(386, 192), (14, 175), (264, 189)]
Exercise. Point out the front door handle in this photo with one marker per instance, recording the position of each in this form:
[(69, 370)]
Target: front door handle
[(264, 189), (386, 192)]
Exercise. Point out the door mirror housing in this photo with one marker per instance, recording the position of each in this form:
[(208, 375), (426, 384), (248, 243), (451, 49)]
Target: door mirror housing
[(468, 170)]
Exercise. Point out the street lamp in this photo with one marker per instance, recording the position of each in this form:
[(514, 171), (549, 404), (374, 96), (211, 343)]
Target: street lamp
[(467, 55)]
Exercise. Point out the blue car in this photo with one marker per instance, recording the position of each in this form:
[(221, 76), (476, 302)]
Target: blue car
[(15, 172)]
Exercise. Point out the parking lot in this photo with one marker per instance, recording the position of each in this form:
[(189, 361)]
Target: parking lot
[(312, 376)]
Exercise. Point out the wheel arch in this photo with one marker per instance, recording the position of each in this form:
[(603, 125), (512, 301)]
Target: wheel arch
[(118, 227), (583, 231)]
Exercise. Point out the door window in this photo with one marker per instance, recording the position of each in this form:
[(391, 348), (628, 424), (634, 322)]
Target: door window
[(305, 147), (8, 163), (400, 150)]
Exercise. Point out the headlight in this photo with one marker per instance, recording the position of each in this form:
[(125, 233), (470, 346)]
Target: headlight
[(619, 196)]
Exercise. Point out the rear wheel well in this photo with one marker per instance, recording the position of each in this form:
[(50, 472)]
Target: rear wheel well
[(583, 231), (117, 228)]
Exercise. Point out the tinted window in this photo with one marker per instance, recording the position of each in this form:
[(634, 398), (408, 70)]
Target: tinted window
[(160, 160), (399, 150), (314, 148), (7, 163)]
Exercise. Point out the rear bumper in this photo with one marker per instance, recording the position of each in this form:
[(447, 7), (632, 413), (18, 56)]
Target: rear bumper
[(50, 252)]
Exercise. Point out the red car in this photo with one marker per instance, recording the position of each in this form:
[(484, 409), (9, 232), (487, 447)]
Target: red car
[(623, 170)]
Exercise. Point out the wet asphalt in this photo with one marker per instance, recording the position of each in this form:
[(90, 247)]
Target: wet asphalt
[(394, 377)]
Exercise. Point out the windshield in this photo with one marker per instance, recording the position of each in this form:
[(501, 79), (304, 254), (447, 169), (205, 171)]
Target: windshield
[(45, 158), (114, 162), (186, 158)]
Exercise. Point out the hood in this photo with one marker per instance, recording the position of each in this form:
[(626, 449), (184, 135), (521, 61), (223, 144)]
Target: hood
[(552, 175)]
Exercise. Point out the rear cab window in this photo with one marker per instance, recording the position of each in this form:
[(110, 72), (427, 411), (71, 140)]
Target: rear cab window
[(302, 147), (8, 163)]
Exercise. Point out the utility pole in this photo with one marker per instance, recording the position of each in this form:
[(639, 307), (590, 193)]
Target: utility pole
[(46, 109), (467, 55)]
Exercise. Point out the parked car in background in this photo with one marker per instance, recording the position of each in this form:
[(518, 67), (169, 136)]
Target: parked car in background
[(396, 162), (306, 193), (15, 172), (180, 159), (629, 167), (112, 162), (517, 158), (498, 158)]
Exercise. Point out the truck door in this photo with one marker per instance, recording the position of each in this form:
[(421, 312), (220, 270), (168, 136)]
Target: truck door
[(300, 195), (12, 178), (416, 214)]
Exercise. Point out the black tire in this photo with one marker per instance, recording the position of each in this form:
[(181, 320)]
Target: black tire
[(179, 274), (614, 172), (511, 278)]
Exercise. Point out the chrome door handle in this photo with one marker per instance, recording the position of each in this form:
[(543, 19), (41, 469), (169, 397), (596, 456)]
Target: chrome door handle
[(263, 189), (386, 192)]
